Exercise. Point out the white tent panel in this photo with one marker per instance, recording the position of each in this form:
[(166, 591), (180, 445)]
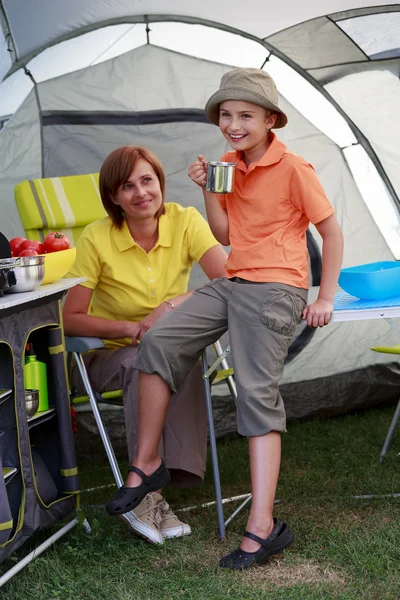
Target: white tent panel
[(77, 53), (13, 92), (374, 33), (221, 46), (381, 205), (310, 102), (19, 154), (378, 94)]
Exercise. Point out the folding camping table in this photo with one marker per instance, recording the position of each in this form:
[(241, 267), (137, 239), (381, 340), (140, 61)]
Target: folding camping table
[(348, 308)]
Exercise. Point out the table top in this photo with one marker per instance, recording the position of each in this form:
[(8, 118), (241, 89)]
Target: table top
[(14, 299), (349, 308)]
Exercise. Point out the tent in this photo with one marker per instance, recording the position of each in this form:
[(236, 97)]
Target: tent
[(327, 64)]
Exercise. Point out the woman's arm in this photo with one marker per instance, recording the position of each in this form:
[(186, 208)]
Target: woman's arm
[(78, 322), (213, 262), (319, 313)]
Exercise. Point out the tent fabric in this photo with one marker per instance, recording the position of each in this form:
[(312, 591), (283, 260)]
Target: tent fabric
[(338, 51), (68, 124), (52, 20), (164, 80)]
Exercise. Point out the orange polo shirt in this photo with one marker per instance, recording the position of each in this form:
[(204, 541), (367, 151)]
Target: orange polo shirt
[(269, 211)]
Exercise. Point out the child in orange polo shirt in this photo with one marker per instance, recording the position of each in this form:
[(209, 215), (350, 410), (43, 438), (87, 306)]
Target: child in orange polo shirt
[(276, 195), (262, 299)]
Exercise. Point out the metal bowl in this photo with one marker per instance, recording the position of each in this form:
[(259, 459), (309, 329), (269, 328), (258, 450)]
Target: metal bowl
[(31, 402), (29, 273)]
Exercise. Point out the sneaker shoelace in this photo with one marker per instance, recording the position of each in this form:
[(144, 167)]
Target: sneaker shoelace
[(153, 510), (166, 511)]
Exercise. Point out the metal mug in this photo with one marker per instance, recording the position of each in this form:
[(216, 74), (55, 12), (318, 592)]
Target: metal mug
[(220, 177)]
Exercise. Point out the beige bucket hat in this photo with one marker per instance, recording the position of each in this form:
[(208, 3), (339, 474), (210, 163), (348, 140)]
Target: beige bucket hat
[(248, 85)]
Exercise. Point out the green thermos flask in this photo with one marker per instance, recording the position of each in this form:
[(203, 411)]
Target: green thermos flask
[(35, 377)]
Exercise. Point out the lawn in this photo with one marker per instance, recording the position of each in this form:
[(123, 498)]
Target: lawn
[(346, 548)]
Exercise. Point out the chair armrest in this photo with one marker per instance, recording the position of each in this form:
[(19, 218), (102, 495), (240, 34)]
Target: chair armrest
[(82, 344)]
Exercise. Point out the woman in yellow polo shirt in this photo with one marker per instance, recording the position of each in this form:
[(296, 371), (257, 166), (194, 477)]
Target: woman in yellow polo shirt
[(137, 263)]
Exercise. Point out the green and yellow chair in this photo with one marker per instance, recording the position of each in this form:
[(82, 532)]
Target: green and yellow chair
[(396, 416), (67, 204)]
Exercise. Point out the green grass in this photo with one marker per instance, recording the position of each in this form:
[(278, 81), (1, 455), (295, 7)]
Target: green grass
[(345, 548)]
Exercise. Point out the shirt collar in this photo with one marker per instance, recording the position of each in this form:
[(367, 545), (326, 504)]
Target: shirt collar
[(273, 154), (124, 240)]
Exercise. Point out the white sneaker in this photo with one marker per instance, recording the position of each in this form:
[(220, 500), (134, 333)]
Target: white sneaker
[(145, 519), (170, 525)]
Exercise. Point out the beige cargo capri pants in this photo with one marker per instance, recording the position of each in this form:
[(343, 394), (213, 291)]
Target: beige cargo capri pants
[(261, 317)]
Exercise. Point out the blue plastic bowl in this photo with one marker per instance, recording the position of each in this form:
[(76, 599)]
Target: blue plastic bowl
[(373, 281)]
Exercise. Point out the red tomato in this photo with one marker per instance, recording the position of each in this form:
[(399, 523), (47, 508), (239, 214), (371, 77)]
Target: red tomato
[(38, 246), (29, 252), (54, 242), (15, 244)]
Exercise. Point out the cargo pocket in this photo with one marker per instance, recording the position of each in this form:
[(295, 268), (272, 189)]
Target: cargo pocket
[(281, 311)]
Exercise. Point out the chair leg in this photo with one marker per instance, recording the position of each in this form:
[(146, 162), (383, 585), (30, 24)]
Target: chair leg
[(390, 433), (213, 448), (96, 412)]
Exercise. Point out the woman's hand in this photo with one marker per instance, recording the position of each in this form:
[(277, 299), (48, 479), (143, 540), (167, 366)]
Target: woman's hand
[(318, 313), (198, 171), (149, 321)]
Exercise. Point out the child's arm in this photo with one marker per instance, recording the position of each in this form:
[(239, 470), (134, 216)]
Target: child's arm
[(216, 215), (319, 313)]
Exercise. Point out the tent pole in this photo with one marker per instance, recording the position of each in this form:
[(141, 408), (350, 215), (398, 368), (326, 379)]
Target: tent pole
[(35, 88)]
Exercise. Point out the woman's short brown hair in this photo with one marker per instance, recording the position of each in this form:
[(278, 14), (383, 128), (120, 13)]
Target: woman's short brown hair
[(115, 172)]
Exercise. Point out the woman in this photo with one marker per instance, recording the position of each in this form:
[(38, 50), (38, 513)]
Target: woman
[(137, 263)]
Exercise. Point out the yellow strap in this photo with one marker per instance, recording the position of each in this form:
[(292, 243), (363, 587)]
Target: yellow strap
[(56, 349), (6, 525), (69, 472)]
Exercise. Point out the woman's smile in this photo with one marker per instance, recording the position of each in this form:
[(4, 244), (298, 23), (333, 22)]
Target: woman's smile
[(140, 196)]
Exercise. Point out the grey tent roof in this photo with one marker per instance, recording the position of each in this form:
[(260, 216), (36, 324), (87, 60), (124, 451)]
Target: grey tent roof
[(30, 27)]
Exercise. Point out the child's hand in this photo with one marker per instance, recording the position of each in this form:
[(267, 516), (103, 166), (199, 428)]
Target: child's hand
[(318, 313), (198, 171)]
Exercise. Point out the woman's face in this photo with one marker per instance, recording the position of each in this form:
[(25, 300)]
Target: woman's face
[(140, 197)]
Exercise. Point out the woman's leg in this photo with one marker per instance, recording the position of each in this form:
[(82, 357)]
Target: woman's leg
[(183, 443)]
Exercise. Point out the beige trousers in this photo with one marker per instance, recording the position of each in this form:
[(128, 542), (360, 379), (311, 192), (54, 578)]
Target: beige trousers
[(184, 442)]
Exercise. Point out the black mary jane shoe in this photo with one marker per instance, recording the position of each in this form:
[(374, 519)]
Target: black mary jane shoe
[(281, 538), (127, 498)]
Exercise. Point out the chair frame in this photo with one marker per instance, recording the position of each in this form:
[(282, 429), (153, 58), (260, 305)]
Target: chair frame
[(77, 345)]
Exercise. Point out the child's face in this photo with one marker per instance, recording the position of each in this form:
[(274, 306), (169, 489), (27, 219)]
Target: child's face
[(245, 125)]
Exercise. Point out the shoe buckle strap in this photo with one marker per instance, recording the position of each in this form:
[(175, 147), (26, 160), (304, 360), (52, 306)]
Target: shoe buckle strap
[(139, 472), (265, 542)]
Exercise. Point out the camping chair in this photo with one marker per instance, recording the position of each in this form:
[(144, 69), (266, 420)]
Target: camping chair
[(68, 204), (396, 416)]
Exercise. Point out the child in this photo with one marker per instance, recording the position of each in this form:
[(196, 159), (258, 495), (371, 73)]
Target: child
[(262, 299)]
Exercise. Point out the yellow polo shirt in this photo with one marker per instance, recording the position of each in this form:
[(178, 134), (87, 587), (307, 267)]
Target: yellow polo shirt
[(127, 282)]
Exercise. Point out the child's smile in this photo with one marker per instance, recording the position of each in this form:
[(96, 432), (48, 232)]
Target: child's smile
[(246, 127)]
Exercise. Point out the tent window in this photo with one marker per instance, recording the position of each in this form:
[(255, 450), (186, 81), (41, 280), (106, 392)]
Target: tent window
[(209, 44), (374, 34), (376, 196), (310, 102)]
